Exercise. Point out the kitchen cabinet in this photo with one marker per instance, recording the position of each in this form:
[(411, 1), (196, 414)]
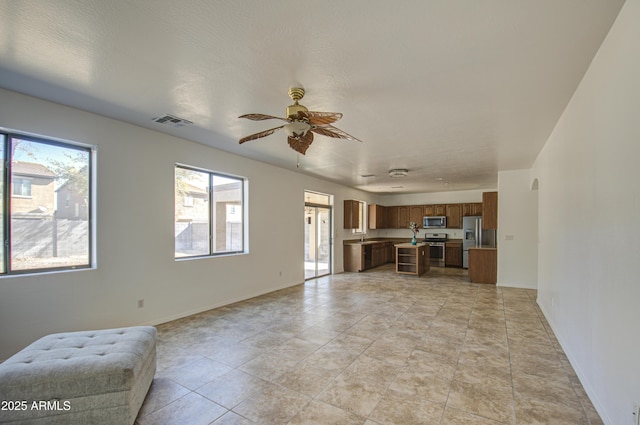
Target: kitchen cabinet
[(377, 217), (454, 216), (435, 210), (453, 254), (416, 214), (351, 214), (379, 255), (490, 210), (353, 257), (412, 259), (391, 252), (483, 265), (392, 217), (403, 217), (472, 209), (358, 257)]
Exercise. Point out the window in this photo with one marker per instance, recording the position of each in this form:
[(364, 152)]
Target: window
[(21, 187), (362, 218), (209, 213), (43, 178)]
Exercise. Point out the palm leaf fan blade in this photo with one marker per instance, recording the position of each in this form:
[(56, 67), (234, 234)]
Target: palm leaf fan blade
[(331, 131), (301, 144), (261, 117), (320, 118), (259, 135)]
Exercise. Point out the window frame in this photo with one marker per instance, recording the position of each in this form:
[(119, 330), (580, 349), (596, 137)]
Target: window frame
[(210, 213), (22, 186), (363, 218), (6, 181)]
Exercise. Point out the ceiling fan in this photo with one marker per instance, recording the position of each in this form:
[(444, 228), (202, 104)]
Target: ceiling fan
[(301, 124)]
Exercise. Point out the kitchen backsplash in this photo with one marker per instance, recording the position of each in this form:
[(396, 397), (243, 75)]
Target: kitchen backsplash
[(406, 233)]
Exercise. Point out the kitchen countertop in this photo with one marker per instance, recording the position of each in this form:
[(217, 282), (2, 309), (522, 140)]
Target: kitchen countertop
[(483, 247), (410, 245), (375, 240), (364, 243)]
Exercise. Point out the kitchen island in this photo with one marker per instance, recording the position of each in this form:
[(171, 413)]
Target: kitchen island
[(412, 259)]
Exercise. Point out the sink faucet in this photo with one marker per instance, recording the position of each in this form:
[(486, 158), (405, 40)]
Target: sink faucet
[(362, 235)]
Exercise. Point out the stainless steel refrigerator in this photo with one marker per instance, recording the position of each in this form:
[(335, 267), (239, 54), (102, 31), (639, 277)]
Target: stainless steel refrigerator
[(473, 236)]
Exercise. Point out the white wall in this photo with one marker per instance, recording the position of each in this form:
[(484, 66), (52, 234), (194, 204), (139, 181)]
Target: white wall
[(589, 221), (135, 237), (517, 230)]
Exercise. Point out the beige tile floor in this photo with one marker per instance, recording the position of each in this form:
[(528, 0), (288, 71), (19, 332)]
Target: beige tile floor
[(371, 348)]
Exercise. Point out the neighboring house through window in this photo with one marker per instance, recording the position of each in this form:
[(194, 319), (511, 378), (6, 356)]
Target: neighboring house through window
[(45, 179), (209, 213), (21, 187)]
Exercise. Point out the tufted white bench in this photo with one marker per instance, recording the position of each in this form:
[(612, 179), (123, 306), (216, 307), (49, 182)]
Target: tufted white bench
[(92, 377)]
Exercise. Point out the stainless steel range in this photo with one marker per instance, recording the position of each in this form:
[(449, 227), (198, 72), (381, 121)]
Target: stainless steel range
[(436, 248)]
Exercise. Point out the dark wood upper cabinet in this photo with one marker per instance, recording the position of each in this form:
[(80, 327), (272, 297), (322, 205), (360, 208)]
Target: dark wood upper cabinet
[(490, 210), (392, 217), (403, 217), (351, 214), (416, 214), (378, 217), (454, 216), (472, 209), (435, 210)]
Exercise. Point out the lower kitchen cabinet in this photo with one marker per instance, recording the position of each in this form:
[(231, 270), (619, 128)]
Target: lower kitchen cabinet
[(363, 256), (483, 265), (453, 254)]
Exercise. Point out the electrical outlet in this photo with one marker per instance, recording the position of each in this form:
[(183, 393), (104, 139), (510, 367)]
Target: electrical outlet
[(636, 414), (141, 303)]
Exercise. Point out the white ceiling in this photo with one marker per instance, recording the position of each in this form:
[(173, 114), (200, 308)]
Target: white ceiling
[(452, 90)]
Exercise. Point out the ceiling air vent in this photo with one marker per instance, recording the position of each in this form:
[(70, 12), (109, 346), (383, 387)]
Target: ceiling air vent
[(172, 120), (398, 172)]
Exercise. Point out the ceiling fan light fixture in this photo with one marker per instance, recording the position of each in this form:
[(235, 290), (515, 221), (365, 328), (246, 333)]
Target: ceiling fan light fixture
[(296, 129), (398, 173), (300, 125)]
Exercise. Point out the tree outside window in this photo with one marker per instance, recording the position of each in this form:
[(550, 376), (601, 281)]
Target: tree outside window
[(48, 214)]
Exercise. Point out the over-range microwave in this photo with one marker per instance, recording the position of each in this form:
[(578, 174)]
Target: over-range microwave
[(438, 222)]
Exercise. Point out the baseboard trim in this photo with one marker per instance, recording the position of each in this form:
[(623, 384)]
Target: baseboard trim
[(223, 303), (576, 367)]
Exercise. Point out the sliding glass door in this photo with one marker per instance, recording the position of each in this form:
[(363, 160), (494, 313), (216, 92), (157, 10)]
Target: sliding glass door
[(317, 240)]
